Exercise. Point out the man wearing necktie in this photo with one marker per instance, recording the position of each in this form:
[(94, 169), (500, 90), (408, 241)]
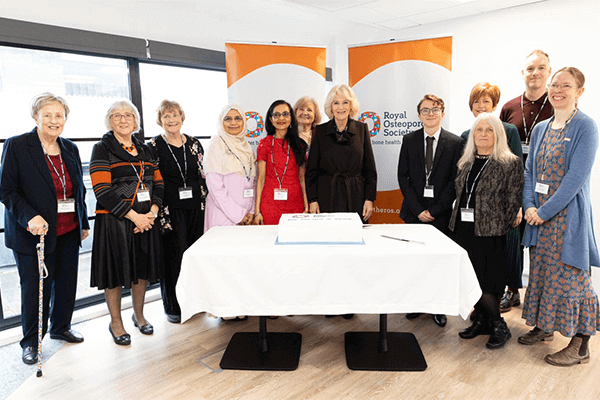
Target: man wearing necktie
[(426, 172)]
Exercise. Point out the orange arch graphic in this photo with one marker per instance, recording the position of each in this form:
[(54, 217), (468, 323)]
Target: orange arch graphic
[(366, 59), (242, 59)]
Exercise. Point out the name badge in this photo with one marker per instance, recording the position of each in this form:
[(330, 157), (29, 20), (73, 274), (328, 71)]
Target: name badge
[(66, 206), (541, 188), (525, 148), (428, 192), (248, 193), (185, 193), (467, 215), (143, 195), (281, 194)]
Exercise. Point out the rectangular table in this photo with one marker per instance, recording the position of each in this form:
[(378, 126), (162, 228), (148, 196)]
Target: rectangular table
[(240, 270)]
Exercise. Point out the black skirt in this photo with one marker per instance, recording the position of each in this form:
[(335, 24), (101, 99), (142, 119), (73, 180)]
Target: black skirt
[(121, 257)]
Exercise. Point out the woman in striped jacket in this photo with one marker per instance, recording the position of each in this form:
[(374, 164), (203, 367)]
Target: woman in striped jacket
[(129, 191)]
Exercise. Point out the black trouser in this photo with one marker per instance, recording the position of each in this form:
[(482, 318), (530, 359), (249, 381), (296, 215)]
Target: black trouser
[(188, 226), (60, 288)]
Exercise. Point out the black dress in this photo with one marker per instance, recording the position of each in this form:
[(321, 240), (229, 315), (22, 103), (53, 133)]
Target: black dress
[(187, 215), (119, 256), (487, 253)]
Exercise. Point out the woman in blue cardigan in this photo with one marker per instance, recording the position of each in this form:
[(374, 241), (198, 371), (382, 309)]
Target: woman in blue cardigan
[(560, 234)]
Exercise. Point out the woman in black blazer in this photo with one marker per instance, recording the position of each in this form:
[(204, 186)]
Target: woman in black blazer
[(41, 186)]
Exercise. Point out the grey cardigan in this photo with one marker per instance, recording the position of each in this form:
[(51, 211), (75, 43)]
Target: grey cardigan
[(498, 196)]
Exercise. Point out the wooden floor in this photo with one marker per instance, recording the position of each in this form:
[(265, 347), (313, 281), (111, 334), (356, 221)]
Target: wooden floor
[(182, 362)]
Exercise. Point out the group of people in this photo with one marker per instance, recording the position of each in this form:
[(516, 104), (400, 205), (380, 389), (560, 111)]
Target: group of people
[(155, 199), (476, 189)]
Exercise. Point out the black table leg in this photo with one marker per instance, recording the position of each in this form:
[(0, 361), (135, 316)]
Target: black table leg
[(383, 350), (262, 350)]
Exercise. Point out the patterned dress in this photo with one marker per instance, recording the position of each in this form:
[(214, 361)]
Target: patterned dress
[(559, 297)]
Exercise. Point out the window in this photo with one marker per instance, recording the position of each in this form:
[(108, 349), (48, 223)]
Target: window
[(201, 93), (90, 85)]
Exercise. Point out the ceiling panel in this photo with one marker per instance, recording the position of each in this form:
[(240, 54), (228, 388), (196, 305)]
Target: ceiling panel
[(400, 14)]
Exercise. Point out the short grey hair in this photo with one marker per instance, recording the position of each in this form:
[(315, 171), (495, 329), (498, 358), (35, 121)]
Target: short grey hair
[(42, 100), (124, 104)]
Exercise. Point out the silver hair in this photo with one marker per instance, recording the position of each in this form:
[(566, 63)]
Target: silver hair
[(501, 151), (124, 104)]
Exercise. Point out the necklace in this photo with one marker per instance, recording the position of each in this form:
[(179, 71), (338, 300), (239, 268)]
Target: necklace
[(481, 157), (127, 148)]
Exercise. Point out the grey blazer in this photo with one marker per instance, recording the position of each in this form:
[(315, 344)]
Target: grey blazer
[(498, 197)]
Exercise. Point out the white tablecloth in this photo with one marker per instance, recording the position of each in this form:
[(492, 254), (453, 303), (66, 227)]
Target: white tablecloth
[(240, 270)]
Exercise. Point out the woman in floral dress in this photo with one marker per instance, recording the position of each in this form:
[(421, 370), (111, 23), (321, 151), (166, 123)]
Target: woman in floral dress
[(560, 296)]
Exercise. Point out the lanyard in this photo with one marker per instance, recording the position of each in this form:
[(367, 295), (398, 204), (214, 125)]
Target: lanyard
[(243, 166), (63, 181), (528, 134), (470, 192), (546, 144), (286, 162), (183, 175), (138, 175)]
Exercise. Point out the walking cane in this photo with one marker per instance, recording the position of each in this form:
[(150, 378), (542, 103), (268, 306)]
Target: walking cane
[(43, 272)]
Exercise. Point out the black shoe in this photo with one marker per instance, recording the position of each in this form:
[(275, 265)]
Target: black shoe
[(123, 340), (174, 318), (70, 336), (480, 326), (472, 315), (509, 300), (236, 319), (413, 315), (500, 335), (440, 320), (347, 316), (147, 329), (29, 355)]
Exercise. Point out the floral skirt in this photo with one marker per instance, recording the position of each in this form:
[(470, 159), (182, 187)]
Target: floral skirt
[(559, 297)]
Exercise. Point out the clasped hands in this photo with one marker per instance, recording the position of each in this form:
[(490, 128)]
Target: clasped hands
[(143, 222), (532, 217)]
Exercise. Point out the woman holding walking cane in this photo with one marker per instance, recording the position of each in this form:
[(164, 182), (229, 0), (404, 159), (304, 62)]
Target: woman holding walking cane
[(41, 186)]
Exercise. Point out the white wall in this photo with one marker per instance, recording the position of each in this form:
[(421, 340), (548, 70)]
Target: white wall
[(492, 48)]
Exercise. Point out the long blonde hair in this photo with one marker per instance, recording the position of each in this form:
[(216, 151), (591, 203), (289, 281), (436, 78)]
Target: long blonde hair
[(501, 151)]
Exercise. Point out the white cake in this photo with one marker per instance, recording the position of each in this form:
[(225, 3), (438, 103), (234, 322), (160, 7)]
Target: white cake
[(320, 228)]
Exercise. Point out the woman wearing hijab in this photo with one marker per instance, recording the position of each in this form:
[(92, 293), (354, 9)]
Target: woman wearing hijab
[(230, 170)]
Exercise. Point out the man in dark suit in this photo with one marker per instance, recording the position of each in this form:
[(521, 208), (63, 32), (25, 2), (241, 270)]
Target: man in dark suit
[(426, 172)]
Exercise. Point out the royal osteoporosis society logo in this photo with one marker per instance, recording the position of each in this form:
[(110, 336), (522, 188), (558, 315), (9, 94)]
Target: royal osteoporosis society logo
[(372, 120), (255, 124)]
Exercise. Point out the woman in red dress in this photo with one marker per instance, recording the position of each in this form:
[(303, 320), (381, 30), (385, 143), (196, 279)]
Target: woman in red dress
[(281, 160)]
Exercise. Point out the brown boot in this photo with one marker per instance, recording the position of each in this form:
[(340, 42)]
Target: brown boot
[(569, 355)]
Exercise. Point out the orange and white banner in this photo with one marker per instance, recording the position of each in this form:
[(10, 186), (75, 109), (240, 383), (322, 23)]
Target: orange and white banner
[(389, 80), (257, 75)]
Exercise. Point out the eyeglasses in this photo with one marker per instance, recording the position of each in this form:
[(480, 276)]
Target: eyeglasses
[(427, 111), (564, 87), (236, 118), (117, 117), (284, 114)]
